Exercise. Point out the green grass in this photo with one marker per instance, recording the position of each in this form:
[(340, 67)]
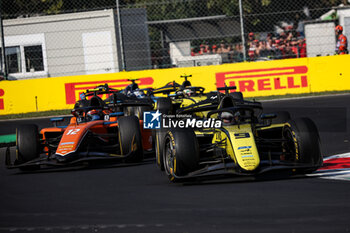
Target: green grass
[(36, 114), (67, 111)]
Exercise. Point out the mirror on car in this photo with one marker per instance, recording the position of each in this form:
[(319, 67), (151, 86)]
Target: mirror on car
[(267, 116)]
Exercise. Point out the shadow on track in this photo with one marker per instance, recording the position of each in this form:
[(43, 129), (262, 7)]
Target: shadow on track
[(90, 165), (229, 179)]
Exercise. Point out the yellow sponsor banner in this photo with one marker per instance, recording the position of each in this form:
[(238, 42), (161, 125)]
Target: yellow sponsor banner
[(329, 73), (254, 79)]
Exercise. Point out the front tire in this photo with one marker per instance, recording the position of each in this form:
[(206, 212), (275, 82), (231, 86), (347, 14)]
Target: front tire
[(27, 145), (180, 153), (302, 143), (164, 106), (130, 138), (159, 138)]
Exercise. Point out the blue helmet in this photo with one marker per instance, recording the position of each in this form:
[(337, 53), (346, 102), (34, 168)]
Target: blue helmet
[(93, 115), (139, 94)]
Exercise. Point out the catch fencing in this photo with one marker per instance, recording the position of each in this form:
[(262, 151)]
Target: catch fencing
[(50, 38)]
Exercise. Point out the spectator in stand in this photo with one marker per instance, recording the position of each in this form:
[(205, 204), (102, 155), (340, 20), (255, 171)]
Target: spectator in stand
[(207, 48), (295, 49), (201, 50), (223, 51), (230, 52), (342, 41), (262, 50), (222, 48), (282, 36), (193, 53), (277, 54), (269, 36), (269, 43), (251, 46), (251, 37), (302, 47), (287, 44), (214, 49), (252, 53), (238, 53), (288, 52), (281, 46)]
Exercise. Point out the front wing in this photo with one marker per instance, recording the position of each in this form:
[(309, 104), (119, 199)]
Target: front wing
[(82, 157), (231, 169)]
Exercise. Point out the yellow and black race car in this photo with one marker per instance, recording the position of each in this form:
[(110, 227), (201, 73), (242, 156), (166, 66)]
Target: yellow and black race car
[(197, 105), (246, 143), (184, 95)]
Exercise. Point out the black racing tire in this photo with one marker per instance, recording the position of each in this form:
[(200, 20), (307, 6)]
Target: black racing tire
[(180, 153), (130, 138), (27, 145), (129, 111), (140, 110), (281, 117), (237, 95), (303, 141), (136, 111), (159, 144), (164, 105)]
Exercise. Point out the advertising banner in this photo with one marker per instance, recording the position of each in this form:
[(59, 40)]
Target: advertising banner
[(253, 79)]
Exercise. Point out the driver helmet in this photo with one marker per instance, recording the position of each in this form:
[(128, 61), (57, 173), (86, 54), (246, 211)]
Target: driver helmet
[(139, 94), (93, 115), (227, 117), (130, 89), (82, 96), (188, 92)]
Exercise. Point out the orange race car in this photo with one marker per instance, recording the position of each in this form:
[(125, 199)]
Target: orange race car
[(95, 132)]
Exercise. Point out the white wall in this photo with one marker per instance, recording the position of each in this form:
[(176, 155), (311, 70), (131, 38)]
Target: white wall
[(320, 39)]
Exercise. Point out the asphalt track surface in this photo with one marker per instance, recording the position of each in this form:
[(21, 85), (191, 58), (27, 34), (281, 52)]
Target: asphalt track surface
[(140, 198)]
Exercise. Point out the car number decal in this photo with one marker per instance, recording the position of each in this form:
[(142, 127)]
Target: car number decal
[(72, 131)]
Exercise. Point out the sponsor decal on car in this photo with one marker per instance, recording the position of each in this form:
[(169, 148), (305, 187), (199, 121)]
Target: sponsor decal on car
[(67, 143), (242, 135), (244, 147), (155, 120)]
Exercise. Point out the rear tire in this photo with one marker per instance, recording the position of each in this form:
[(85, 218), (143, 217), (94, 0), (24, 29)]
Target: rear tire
[(180, 153), (303, 143), (159, 139), (130, 138), (129, 111), (136, 111), (27, 143), (164, 105)]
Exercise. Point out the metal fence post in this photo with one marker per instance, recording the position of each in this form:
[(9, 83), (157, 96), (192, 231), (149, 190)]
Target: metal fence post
[(3, 55), (242, 30), (120, 36)]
